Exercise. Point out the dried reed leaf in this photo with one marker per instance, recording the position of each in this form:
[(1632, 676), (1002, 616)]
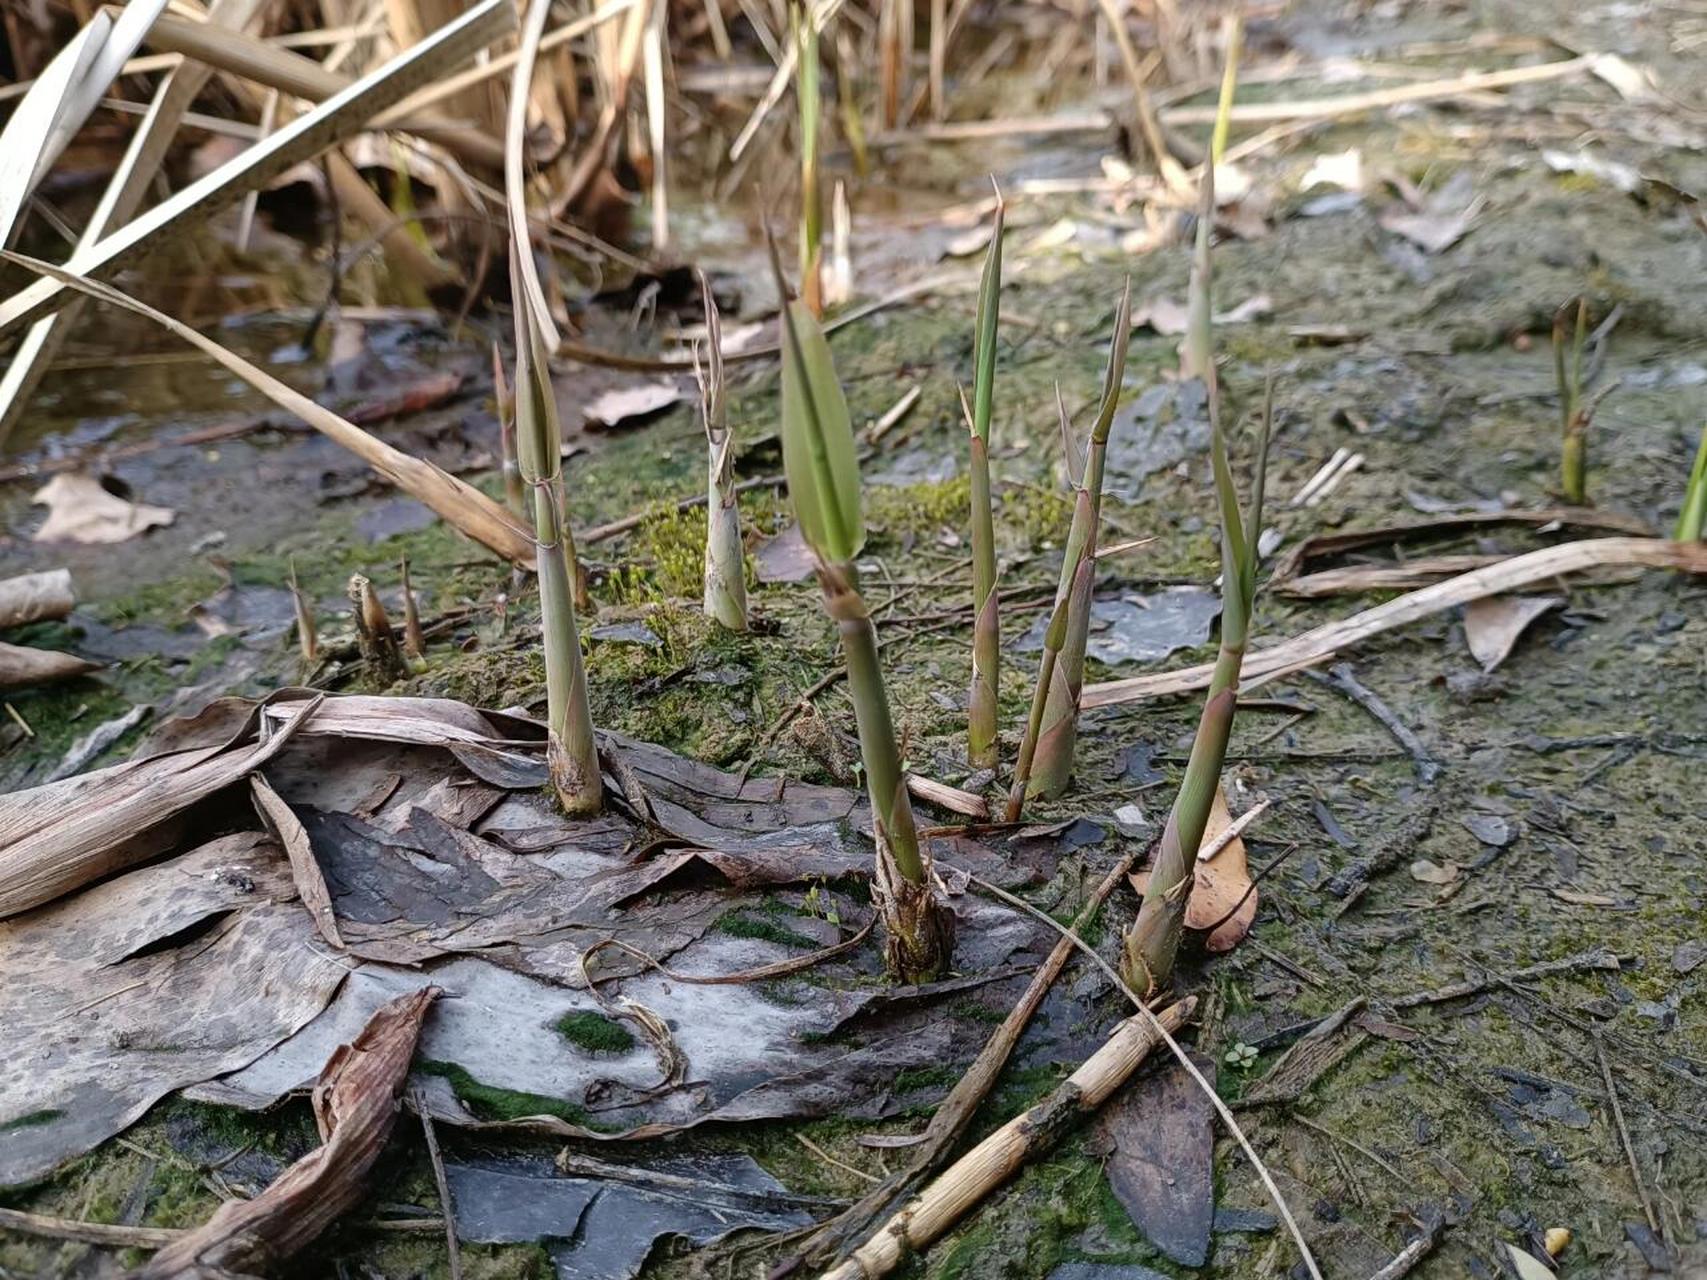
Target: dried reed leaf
[(21, 666), (81, 509), (30, 597), (458, 502), (355, 1107), (1492, 625), (330, 123), (137, 168), (56, 838), (1335, 637)]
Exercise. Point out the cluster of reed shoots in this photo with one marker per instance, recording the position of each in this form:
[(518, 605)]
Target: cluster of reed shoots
[(725, 565), (822, 471)]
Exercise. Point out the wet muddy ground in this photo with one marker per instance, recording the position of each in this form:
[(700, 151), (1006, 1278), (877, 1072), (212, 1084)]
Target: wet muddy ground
[(1555, 813)]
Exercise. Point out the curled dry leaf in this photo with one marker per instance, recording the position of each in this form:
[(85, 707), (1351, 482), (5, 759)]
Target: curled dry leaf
[(21, 666), (1492, 626), (1224, 895), (81, 509), (355, 1106), (31, 597), (1426, 872)]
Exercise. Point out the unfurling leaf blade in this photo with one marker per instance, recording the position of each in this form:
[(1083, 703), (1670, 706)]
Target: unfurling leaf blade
[(818, 455)]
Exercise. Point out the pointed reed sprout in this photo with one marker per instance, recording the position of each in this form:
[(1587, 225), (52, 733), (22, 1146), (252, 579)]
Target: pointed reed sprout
[(806, 91), (571, 752), (823, 485), (307, 637), (374, 638), (982, 746), (1573, 419), (414, 641), (1693, 517), (1152, 943), (1058, 732), (725, 565)]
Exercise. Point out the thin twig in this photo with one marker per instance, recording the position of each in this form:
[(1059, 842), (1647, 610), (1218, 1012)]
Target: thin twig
[(1623, 1132), (433, 1154)]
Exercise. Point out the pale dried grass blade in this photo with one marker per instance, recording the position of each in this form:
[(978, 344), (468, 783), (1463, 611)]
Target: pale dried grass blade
[(334, 120), (459, 503), (1335, 637)]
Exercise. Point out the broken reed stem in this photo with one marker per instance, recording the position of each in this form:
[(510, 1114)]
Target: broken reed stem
[(414, 642), (374, 637), (926, 1217), (921, 930), (1693, 517), (1573, 416), (725, 563), (1058, 733), (307, 637), (983, 748), (806, 91), (571, 753)]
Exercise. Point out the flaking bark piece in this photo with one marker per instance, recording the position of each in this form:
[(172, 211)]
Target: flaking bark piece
[(355, 1105)]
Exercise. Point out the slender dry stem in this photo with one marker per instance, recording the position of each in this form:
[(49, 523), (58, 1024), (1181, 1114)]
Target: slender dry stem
[(725, 563)]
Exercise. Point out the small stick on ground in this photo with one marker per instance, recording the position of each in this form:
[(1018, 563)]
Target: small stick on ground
[(984, 1168), (1340, 677), (1624, 1133), (956, 1110), (1180, 1055), (1413, 1253), (1598, 958), (452, 1249)]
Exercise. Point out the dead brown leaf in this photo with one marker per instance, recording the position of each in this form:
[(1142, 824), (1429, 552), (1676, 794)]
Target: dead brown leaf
[(81, 509), (355, 1106), (1426, 872), (1223, 895), (1492, 625)]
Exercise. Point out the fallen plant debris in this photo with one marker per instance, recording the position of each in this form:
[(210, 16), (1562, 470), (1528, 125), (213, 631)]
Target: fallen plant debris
[(356, 1101)]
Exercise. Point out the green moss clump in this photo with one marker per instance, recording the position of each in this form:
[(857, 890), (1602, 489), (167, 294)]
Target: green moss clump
[(918, 509), (745, 926), (592, 1031), (30, 1119), (489, 1102)]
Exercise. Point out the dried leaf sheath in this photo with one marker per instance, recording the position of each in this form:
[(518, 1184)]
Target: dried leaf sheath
[(982, 746), (355, 1106), (1059, 730), (572, 754), (725, 563)]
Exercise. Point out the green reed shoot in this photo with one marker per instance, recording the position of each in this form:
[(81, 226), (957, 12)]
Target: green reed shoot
[(1573, 418), (1152, 943), (571, 752), (1058, 732), (1693, 517), (822, 470), (982, 746), (725, 563), (807, 94)]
